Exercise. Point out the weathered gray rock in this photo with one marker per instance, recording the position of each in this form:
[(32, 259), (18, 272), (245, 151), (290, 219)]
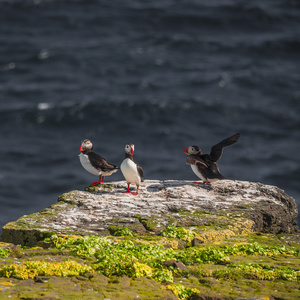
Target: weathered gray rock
[(214, 211)]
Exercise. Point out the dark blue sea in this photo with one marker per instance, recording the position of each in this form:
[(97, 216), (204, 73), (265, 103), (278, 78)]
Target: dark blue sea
[(163, 75)]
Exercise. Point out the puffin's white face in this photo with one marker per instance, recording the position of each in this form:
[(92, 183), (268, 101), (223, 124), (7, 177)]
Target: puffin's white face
[(86, 145), (191, 150), (129, 149)]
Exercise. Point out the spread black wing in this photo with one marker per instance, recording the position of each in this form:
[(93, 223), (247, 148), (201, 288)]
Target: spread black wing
[(217, 150), (100, 163)]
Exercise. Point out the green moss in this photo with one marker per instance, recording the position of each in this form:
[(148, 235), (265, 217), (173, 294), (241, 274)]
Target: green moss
[(115, 223), (4, 252), (257, 271), (211, 227), (120, 231), (69, 197), (153, 223), (239, 267), (179, 232), (100, 187)]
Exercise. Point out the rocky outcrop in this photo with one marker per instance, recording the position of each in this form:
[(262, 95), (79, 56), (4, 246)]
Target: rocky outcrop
[(215, 211)]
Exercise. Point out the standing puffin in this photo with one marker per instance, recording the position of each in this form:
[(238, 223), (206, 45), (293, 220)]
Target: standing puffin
[(204, 165), (94, 163), (132, 172)]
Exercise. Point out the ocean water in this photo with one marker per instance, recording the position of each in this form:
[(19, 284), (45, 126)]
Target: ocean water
[(160, 74)]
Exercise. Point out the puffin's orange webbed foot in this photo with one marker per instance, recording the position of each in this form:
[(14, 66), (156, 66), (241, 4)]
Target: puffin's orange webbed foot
[(206, 182), (137, 191), (128, 190)]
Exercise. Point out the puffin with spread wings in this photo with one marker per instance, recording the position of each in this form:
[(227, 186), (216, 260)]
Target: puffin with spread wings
[(205, 165)]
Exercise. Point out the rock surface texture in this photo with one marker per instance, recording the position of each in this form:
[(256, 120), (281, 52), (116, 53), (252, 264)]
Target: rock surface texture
[(215, 211)]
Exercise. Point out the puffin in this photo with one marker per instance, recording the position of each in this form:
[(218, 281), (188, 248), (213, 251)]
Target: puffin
[(205, 165), (95, 163), (132, 172)]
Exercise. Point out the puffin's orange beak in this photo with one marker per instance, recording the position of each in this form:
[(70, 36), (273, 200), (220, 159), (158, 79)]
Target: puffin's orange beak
[(80, 149), (186, 150), (132, 151)]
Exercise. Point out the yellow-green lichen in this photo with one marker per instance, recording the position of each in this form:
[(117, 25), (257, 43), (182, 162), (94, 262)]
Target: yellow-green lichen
[(31, 269)]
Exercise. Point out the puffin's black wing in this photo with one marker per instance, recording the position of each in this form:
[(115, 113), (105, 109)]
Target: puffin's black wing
[(195, 160), (217, 150), (203, 168), (141, 172), (100, 163)]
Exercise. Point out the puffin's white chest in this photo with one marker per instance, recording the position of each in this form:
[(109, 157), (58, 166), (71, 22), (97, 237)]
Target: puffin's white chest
[(130, 172), (84, 159), (196, 171)]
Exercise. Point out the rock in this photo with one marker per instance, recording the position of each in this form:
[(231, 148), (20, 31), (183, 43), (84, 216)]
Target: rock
[(41, 279), (196, 242), (175, 264), (215, 211), (82, 278)]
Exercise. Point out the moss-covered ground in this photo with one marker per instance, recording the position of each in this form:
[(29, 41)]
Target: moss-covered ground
[(131, 265)]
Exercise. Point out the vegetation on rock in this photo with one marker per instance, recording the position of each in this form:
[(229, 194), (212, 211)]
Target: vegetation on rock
[(255, 264), (31, 269)]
